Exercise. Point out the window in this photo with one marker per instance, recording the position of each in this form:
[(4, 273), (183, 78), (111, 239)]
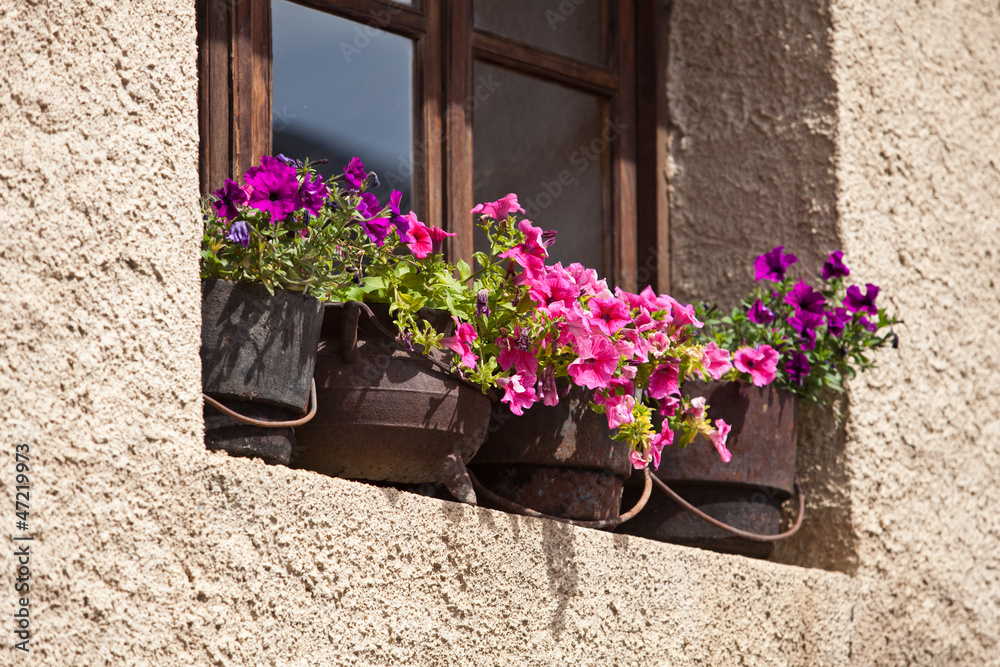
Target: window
[(453, 103)]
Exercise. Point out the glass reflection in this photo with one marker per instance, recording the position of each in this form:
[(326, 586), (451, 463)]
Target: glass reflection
[(549, 144), (342, 89)]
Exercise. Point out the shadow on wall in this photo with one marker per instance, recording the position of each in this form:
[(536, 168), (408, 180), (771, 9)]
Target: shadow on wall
[(750, 122)]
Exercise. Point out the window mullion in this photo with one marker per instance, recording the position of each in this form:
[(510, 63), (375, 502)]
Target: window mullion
[(458, 124)]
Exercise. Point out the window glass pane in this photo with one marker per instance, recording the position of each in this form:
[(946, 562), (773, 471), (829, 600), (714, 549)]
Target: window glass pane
[(341, 89), (574, 28), (544, 142)]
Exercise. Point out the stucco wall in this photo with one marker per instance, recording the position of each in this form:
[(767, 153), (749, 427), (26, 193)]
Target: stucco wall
[(148, 550), (889, 151)]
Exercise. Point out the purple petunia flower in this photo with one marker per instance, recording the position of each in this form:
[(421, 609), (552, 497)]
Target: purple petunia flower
[(230, 195), (399, 220), (797, 368), (834, 267), (760, 314), (311, 194), (836, 320), (483, 303), (772, 265), (870, 326), (376, 228), (858, 303), (805, 324), (355, 173), (369, 207), (806, 298), (239, 233), (275, 185)]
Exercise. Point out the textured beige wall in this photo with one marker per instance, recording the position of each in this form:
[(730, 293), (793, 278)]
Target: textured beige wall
[(148, 550), (889, 151)]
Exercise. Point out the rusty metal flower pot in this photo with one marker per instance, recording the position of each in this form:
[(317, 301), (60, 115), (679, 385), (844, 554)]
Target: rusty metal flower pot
[(386, 414), (746, 493), (556, 460), (258, 352)]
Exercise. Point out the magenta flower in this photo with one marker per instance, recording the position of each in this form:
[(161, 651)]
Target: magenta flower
[(836, 320), (239, 233), (530, 253), (772, 265), (658, 442), (664, 380), (760, 314), (805, 324), (438, 236), (376, 228), (797, 368), (608, 315), (834, 267), (517, 353), (618, 410), (760, 363), (719, 437), (715, 360), (669, 405), (868, 325), (230, 195), (862, 303), (311, 194), (806, 299), (516, 395), (547, 390), (498, 209), (355, 174), (459, 343), (597, 360), (275, 186), (399, 221), (420, 244), (637, 459), (680, 315)]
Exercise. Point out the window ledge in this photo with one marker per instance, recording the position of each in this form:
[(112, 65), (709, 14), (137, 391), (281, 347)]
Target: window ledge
[(347, 570)]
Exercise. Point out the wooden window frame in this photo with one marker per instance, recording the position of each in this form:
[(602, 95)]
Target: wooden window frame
[(235, 119)]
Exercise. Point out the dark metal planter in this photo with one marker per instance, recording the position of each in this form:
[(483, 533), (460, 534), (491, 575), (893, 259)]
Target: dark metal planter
[(387, 414), (555, 460), (258, 352), (746, 493)]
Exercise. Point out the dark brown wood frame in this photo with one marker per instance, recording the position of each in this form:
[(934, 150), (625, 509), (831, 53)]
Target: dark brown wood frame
[(235, 98)]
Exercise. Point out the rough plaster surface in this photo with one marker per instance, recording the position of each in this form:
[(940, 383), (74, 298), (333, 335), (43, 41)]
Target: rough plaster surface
[(873, 128), (148, 550)]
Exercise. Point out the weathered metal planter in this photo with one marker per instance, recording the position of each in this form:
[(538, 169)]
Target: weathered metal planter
[(559, 460), (258, 352), (387, 414), (746, 493)]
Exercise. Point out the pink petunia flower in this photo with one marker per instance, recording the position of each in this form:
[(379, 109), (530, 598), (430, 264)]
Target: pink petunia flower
[(697, 409), (516, 352), (760, 363), (596, 363), (718, 438), (618, 410), (716, 361), (638, 460), (664, 380), (608, 315), (459, 343), (516, 395), (658, 442), (498, 209)]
